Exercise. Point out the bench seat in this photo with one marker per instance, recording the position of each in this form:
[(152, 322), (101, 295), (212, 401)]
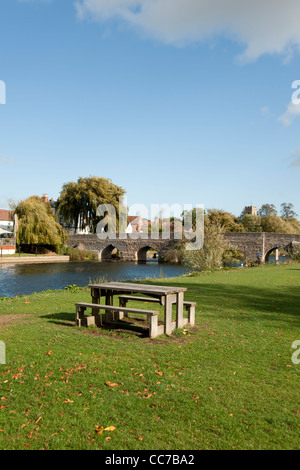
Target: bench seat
[(81, 320)]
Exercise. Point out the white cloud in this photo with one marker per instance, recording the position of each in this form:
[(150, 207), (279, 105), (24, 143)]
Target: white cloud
[(261, 26), (292, 111)]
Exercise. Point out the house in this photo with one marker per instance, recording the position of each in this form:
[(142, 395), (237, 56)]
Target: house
[(136, 224), (7, 240), (6, 220)]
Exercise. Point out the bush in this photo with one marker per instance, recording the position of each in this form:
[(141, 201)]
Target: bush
[(295, 256), (78, 255), (211, 255)]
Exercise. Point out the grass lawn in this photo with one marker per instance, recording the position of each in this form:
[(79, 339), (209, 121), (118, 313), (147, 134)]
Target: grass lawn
[(228, 383)]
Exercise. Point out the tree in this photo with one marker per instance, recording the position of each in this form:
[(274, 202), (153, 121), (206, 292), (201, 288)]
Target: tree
[(211, 255), (266, 210), (287, 211), (78, 202), (275, 224), (37, 224), (189, 218), (251, 223), (228, 221)]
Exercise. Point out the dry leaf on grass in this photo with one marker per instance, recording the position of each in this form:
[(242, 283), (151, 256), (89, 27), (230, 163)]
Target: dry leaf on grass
[(99, 429), (111, 384)]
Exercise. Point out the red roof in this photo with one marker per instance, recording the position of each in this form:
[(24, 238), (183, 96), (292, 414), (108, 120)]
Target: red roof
[(134, 220), (5, 215)]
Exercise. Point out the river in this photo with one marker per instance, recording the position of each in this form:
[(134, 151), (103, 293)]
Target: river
[(25, 279)]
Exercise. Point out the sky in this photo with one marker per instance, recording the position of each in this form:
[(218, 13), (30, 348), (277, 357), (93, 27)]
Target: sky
[(178, 101)]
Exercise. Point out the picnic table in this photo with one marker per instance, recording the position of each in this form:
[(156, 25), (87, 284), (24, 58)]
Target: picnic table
[(165, 295)]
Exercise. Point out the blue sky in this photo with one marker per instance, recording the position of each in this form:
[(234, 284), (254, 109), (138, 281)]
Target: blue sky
[(175, 101)]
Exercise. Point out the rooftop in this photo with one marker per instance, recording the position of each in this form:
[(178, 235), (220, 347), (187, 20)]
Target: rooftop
[(5, 215)]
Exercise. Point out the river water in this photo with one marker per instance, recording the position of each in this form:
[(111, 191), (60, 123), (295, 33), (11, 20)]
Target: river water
[(27, 278)]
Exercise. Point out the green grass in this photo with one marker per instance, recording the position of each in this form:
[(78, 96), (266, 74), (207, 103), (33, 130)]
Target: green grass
[(228, 383)]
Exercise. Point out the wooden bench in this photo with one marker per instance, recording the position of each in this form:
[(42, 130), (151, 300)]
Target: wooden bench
[(82, 320), (189, 306)]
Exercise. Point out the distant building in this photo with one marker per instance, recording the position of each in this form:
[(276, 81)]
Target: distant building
[(7, 240), (134, 224), (6, 220), (250, 210)]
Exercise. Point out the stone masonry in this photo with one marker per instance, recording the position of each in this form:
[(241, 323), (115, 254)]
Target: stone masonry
[(250, 243), (254, 243)]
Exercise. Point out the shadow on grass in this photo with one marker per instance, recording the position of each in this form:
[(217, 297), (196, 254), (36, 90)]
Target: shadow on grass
[(61, 318), (252, 302), (128, 326), (132, 326), (279, 303)]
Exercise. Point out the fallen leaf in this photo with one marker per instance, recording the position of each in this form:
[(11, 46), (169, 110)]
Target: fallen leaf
[(110, 428), (111, 384), (99, 429), (107, 438)]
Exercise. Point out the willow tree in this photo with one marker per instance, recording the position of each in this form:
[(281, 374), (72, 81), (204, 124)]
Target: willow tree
[(37, 224), (212, 253), (78, 202)]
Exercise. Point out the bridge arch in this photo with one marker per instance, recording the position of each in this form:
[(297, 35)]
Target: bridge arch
[(275, 250), (108, 253), (141, 254)]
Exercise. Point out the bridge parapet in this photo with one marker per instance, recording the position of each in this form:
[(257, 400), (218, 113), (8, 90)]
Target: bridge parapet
[(130, 249), (249, 243), (262, 243)]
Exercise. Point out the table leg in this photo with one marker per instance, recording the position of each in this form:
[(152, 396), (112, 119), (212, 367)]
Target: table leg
[(179, 310), (95, 300), (109, 314), (168, 314)]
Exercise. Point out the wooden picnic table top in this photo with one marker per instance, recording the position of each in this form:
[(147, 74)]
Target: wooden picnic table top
[(138, 288)]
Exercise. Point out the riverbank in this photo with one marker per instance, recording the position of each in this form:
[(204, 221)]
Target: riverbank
[(227, 383), (30, 259)]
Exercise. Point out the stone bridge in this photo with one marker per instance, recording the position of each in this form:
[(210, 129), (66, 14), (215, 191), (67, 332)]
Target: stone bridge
[(256, 245), (129, 249), (253, 245)]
